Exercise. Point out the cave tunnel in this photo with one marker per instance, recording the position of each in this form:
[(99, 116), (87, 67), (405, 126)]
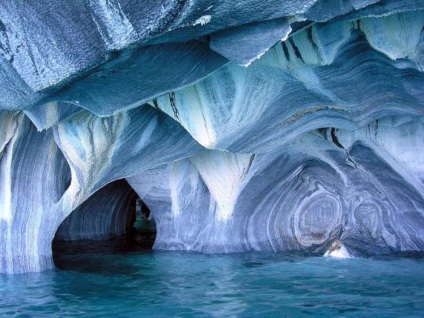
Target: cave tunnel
[(113, 220)]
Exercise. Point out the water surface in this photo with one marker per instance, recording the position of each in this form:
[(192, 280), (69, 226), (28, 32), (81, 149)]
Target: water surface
[(134, 282)]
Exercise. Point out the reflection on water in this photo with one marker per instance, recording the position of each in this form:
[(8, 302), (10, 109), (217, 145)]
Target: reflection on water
[(117, 281)]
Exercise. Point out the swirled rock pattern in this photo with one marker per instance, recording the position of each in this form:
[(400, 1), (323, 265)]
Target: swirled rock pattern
[(47, 175), (297, 88), (305, 197), (255, 125), (34, 175)]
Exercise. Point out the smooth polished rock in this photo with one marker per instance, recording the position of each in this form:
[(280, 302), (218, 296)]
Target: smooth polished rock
[(107, 213), (301, 198), (247, 43), (47, 175), (296, 87), (318, 140), (34, 175)]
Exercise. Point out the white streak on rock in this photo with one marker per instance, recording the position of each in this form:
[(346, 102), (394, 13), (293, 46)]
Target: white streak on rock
[(203, 20), (337, 250), (223, 173)]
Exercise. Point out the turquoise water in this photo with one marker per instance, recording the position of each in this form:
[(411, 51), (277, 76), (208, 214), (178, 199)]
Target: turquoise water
[(139, 283)]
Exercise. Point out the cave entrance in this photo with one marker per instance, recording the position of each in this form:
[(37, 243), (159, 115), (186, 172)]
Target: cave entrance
[(114, 220)]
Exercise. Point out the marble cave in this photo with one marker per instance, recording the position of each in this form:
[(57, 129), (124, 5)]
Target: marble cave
[(254, 125)]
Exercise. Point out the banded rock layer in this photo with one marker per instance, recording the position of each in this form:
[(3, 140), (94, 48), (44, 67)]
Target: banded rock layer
[(257, 125)]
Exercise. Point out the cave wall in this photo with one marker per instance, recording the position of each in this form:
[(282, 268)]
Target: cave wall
[(34, 176), (257, 125), (109, 212), (304, 197)]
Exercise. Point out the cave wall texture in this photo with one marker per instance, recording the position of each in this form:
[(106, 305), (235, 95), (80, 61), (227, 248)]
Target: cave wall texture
[(267, 125)]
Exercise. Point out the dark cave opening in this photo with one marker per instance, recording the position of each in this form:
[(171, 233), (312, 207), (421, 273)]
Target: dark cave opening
[(114, 220)]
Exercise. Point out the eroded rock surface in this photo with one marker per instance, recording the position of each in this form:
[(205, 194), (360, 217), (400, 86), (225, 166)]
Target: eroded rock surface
[(254, 125)]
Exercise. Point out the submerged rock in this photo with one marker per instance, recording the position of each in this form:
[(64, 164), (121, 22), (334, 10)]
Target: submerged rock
[(337, 250), (262, 125)]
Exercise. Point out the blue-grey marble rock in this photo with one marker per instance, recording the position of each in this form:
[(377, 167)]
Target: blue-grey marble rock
[(47, 115), (254, 125), (304, 197), (386, 7), (106, 214), (34, 175), (247, 43), (47, 175), (300, 85), (50, 45), (137, 77), (101, 150), (328, 9)]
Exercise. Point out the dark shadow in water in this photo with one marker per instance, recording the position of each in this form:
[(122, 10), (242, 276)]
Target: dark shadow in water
[(103, 257), (123, 207)]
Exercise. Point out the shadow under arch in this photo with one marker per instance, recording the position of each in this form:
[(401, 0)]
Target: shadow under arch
[(113, 220)]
